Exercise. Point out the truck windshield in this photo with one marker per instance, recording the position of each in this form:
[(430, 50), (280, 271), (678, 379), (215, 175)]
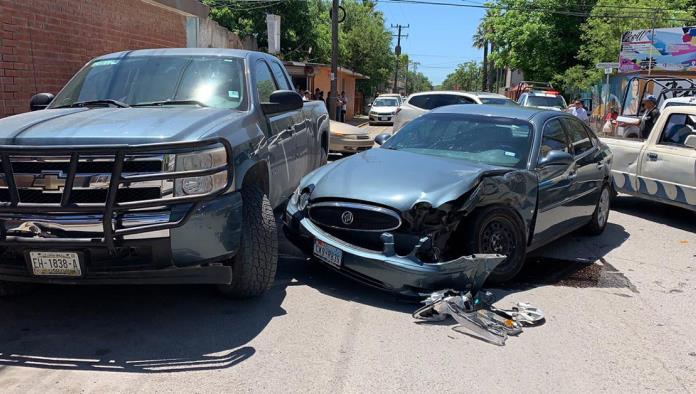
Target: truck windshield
[(491, 140), (159, 80), (546, 101)]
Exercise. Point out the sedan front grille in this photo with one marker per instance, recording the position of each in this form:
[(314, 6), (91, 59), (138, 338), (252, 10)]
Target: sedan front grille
[(354, 216)]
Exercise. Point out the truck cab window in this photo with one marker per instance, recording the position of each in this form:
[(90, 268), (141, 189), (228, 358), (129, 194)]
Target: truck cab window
[(280, 77), (265, 85), (553, 138), (677, 129)]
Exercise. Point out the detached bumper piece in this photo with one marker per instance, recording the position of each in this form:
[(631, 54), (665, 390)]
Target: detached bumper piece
[(477, 317), (405, 275)]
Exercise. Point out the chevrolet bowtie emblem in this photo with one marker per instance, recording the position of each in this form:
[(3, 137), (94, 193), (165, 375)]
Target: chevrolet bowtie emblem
[(49, 181)]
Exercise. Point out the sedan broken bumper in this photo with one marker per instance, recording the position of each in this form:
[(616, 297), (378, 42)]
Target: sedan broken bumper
[(405, 275)]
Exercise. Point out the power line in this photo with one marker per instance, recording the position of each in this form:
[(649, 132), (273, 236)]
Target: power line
[(541, 9)]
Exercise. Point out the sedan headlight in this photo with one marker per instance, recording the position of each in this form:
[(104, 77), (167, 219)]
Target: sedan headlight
[(300, 198), (202, 160)]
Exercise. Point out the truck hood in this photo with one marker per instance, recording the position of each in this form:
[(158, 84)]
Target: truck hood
[(397, 179), (84, 126)]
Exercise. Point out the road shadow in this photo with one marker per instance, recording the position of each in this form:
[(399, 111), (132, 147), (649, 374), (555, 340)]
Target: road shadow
[(141, 329), (666, 214)]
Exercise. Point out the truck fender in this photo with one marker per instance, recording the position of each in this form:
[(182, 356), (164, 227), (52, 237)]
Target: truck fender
[(254, 172)]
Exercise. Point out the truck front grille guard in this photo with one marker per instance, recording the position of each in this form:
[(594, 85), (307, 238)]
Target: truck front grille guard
[(111, 207)]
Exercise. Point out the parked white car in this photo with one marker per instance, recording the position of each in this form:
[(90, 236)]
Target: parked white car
[(420, 103), (383, 110), (347, 138), (663, 167)]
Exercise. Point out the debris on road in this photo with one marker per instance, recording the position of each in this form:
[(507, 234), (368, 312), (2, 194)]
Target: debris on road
[(477, 316)]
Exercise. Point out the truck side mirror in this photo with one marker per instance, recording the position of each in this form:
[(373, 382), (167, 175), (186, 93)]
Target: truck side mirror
[(690, 141), (382, 138), (556, 158), (282, 101), (40, 101)]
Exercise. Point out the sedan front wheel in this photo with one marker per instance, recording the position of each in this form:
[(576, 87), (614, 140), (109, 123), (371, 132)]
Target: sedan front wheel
[(498, 230)]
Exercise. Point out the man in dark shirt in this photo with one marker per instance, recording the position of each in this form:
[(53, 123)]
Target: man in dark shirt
[(649, 116)]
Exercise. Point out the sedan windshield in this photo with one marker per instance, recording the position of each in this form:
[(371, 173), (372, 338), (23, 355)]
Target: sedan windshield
[(386, 102), (546, 101), (491, 140), (156, 81)]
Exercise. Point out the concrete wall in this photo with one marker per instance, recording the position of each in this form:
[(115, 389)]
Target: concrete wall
[(345, 82), (206, 33)]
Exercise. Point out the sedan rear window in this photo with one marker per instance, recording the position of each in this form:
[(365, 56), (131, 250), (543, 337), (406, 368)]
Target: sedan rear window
[(432, 101), (497, 101), (546, 101), (491, 140)]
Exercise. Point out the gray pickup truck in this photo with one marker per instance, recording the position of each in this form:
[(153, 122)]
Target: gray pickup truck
[(156, 167)]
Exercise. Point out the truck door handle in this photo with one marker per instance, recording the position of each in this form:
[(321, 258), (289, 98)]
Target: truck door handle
[(600, 166), (572, 175), (652, 155)]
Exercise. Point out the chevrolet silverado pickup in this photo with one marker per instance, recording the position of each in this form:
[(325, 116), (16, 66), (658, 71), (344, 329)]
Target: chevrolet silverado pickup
[(156, 167), (663, 167)]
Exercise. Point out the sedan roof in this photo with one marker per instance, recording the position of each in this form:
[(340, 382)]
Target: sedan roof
[(515, 112)]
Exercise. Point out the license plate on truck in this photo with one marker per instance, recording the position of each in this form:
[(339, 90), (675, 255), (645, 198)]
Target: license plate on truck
[(55, 263), (328, 253)]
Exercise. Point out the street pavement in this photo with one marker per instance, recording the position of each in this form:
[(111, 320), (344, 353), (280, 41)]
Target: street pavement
[(619, 318)]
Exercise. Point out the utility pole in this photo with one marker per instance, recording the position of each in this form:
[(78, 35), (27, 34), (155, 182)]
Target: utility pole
[(334, 60), (397, 52)]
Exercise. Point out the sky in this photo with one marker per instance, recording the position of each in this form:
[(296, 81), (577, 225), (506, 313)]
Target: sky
[(439, 37)]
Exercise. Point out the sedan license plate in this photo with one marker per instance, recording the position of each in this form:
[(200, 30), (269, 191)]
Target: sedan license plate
[(328, 253), (55, 263), (383, 118)]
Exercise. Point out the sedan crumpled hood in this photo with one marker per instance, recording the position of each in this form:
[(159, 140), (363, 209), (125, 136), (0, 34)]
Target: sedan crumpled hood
[(84, 126), (397, 179)]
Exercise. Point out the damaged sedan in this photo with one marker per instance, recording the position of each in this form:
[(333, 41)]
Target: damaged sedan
[(457, 196)]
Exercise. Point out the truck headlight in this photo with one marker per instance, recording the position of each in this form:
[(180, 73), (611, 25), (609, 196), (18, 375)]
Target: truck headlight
[(202, 160)]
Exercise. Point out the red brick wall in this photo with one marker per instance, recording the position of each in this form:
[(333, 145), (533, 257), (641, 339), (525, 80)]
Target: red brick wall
[(44, 42)]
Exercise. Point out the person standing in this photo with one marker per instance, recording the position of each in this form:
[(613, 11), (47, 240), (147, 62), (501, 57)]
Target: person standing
[(647, 121), (579, 111), (316, 94), (344, 106)]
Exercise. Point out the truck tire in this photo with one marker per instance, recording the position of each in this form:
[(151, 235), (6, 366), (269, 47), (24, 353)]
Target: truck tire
[(600, 217), (498, 230), (12, 289), (254, 266)]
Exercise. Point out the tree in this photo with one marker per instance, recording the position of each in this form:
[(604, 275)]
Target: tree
[(601, 34), (417, 82), (467, 76), (305, 34), (480, 41), (529, 38)]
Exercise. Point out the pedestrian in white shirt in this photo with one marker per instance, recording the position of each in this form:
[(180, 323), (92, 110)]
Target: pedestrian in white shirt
[(579, 111)]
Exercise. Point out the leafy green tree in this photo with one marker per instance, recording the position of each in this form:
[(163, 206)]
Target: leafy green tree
[(601, 33), (467, 76), (527, 37), (417, 82)]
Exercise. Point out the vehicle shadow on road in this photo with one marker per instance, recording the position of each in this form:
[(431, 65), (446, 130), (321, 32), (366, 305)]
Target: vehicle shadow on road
[(669, 215), (141, 329)]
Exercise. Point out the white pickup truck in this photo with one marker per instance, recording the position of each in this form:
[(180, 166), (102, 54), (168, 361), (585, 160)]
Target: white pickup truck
[(662, 167)]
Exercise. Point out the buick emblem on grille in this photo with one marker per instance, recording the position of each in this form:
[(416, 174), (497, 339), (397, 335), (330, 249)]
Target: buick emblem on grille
[(49, 180), (347, 217)]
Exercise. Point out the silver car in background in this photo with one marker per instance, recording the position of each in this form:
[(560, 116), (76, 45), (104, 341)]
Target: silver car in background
[(420, 103), (383, 109)]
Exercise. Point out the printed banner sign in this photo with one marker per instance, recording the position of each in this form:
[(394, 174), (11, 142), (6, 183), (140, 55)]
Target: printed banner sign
[(668, 49)]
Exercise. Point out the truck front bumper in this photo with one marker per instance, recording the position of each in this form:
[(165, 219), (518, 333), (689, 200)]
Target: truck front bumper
[(405, 275), (196, 252)]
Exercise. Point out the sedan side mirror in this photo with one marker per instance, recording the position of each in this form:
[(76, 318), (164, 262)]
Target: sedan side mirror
[(282, 101), (556, 158), (40, 101), (382, 138)]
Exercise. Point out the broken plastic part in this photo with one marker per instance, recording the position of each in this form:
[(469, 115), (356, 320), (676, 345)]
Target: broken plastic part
[(388, 241)]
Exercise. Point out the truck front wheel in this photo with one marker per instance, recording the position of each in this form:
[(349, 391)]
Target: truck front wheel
[(254, 267)]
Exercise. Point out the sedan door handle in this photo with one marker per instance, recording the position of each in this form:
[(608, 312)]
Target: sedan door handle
[(572, 175), (652, 155)]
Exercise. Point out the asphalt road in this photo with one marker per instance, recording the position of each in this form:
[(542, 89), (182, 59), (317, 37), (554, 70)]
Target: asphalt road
[(619, 310)]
